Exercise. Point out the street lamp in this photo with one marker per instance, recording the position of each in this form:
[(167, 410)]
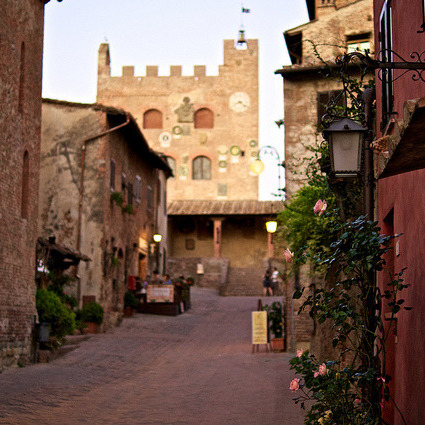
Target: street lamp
[(271, 226), (345, 140), (157, 237), (257, 166)]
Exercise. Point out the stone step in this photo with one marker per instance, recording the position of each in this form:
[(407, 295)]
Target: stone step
[(244, 282)]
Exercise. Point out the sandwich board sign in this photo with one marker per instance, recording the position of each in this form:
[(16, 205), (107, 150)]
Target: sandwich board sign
[(259, 327)]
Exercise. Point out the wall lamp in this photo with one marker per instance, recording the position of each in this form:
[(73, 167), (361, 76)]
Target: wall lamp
[(157, 237)]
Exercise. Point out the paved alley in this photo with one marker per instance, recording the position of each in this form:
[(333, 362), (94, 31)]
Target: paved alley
[(196, 368)]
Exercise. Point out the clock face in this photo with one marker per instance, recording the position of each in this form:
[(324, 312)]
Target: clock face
[(239, 101)]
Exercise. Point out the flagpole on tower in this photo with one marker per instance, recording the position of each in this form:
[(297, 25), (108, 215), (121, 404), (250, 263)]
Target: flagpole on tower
[(241, 43)]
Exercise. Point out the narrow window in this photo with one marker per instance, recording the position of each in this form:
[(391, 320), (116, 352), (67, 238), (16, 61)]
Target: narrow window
[(204, 118), (152, 119), (123, 184), (112, 175), (22, 72), (385, 38), (25, 186), (138, 189), (201, 168)]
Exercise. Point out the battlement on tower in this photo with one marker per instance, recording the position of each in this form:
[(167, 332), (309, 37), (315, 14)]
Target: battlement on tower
[(232, 58)]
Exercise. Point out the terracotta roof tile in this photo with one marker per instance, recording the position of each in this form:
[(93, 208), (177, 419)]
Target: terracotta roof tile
[(217, 207)]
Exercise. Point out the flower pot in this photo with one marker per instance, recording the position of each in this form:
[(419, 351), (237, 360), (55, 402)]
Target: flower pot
[(128, 311), (91, 328), (278, 344)]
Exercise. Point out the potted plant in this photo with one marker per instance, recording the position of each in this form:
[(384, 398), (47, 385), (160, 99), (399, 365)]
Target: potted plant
[(92, 314), (275, 320), (130, 303), (51, 310)]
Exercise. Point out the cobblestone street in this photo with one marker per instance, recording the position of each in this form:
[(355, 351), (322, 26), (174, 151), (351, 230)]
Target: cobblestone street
[(196, 368)]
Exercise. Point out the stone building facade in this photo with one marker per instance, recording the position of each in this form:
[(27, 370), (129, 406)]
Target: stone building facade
[(102, 193), (21, 49), (207, 127), (335, 27)]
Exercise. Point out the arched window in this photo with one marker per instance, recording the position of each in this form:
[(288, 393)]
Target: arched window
[(172, 164), (152, 119), (25, 186), (204, 118), (201, 168)]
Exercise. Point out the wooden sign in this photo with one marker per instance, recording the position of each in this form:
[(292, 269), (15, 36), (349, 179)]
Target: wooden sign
[(160, 294), (259, 327)]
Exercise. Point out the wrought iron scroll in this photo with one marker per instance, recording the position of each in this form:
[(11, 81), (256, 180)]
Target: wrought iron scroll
[(353, 104), (417, 66)]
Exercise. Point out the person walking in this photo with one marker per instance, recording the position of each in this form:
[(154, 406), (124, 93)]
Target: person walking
[(275, 281), (267, 283)]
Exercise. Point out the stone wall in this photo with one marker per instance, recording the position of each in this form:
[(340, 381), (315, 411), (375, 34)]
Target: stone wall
[(21, 50), (214, 270), (197, 240), (118, 243)]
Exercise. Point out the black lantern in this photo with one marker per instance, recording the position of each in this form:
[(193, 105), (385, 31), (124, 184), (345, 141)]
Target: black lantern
[(345, 139)]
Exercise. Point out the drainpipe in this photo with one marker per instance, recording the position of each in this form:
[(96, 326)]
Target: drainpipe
[(83, 159)]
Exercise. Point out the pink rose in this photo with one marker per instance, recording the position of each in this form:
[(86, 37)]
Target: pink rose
[(300, 352), (357, 401), (323, 370), (289, 256), (320, 207), (294, 385), (316, 374)]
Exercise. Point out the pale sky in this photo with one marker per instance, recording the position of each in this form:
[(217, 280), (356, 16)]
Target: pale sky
[(164, 33)]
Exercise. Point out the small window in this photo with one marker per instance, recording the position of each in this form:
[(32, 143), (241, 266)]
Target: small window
[(358, 46), (201, 169), (358, 43), (25, 186), (323, 99), (112, 175), (204, 118), (152, 119), (138, 189), (190, 244)]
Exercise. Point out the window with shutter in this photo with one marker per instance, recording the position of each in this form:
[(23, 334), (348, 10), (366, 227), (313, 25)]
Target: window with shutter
[(201, 168)]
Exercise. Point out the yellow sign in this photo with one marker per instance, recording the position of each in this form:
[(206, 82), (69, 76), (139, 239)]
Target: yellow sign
[(259, 327)]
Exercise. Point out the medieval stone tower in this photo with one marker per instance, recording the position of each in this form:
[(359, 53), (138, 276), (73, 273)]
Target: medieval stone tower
[(207, 126)]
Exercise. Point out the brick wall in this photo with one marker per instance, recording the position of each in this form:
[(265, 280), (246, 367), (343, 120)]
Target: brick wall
[(21, 49)]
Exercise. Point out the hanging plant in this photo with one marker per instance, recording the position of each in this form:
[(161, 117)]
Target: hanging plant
[(115, 261), (117, 197), (129, 209)]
